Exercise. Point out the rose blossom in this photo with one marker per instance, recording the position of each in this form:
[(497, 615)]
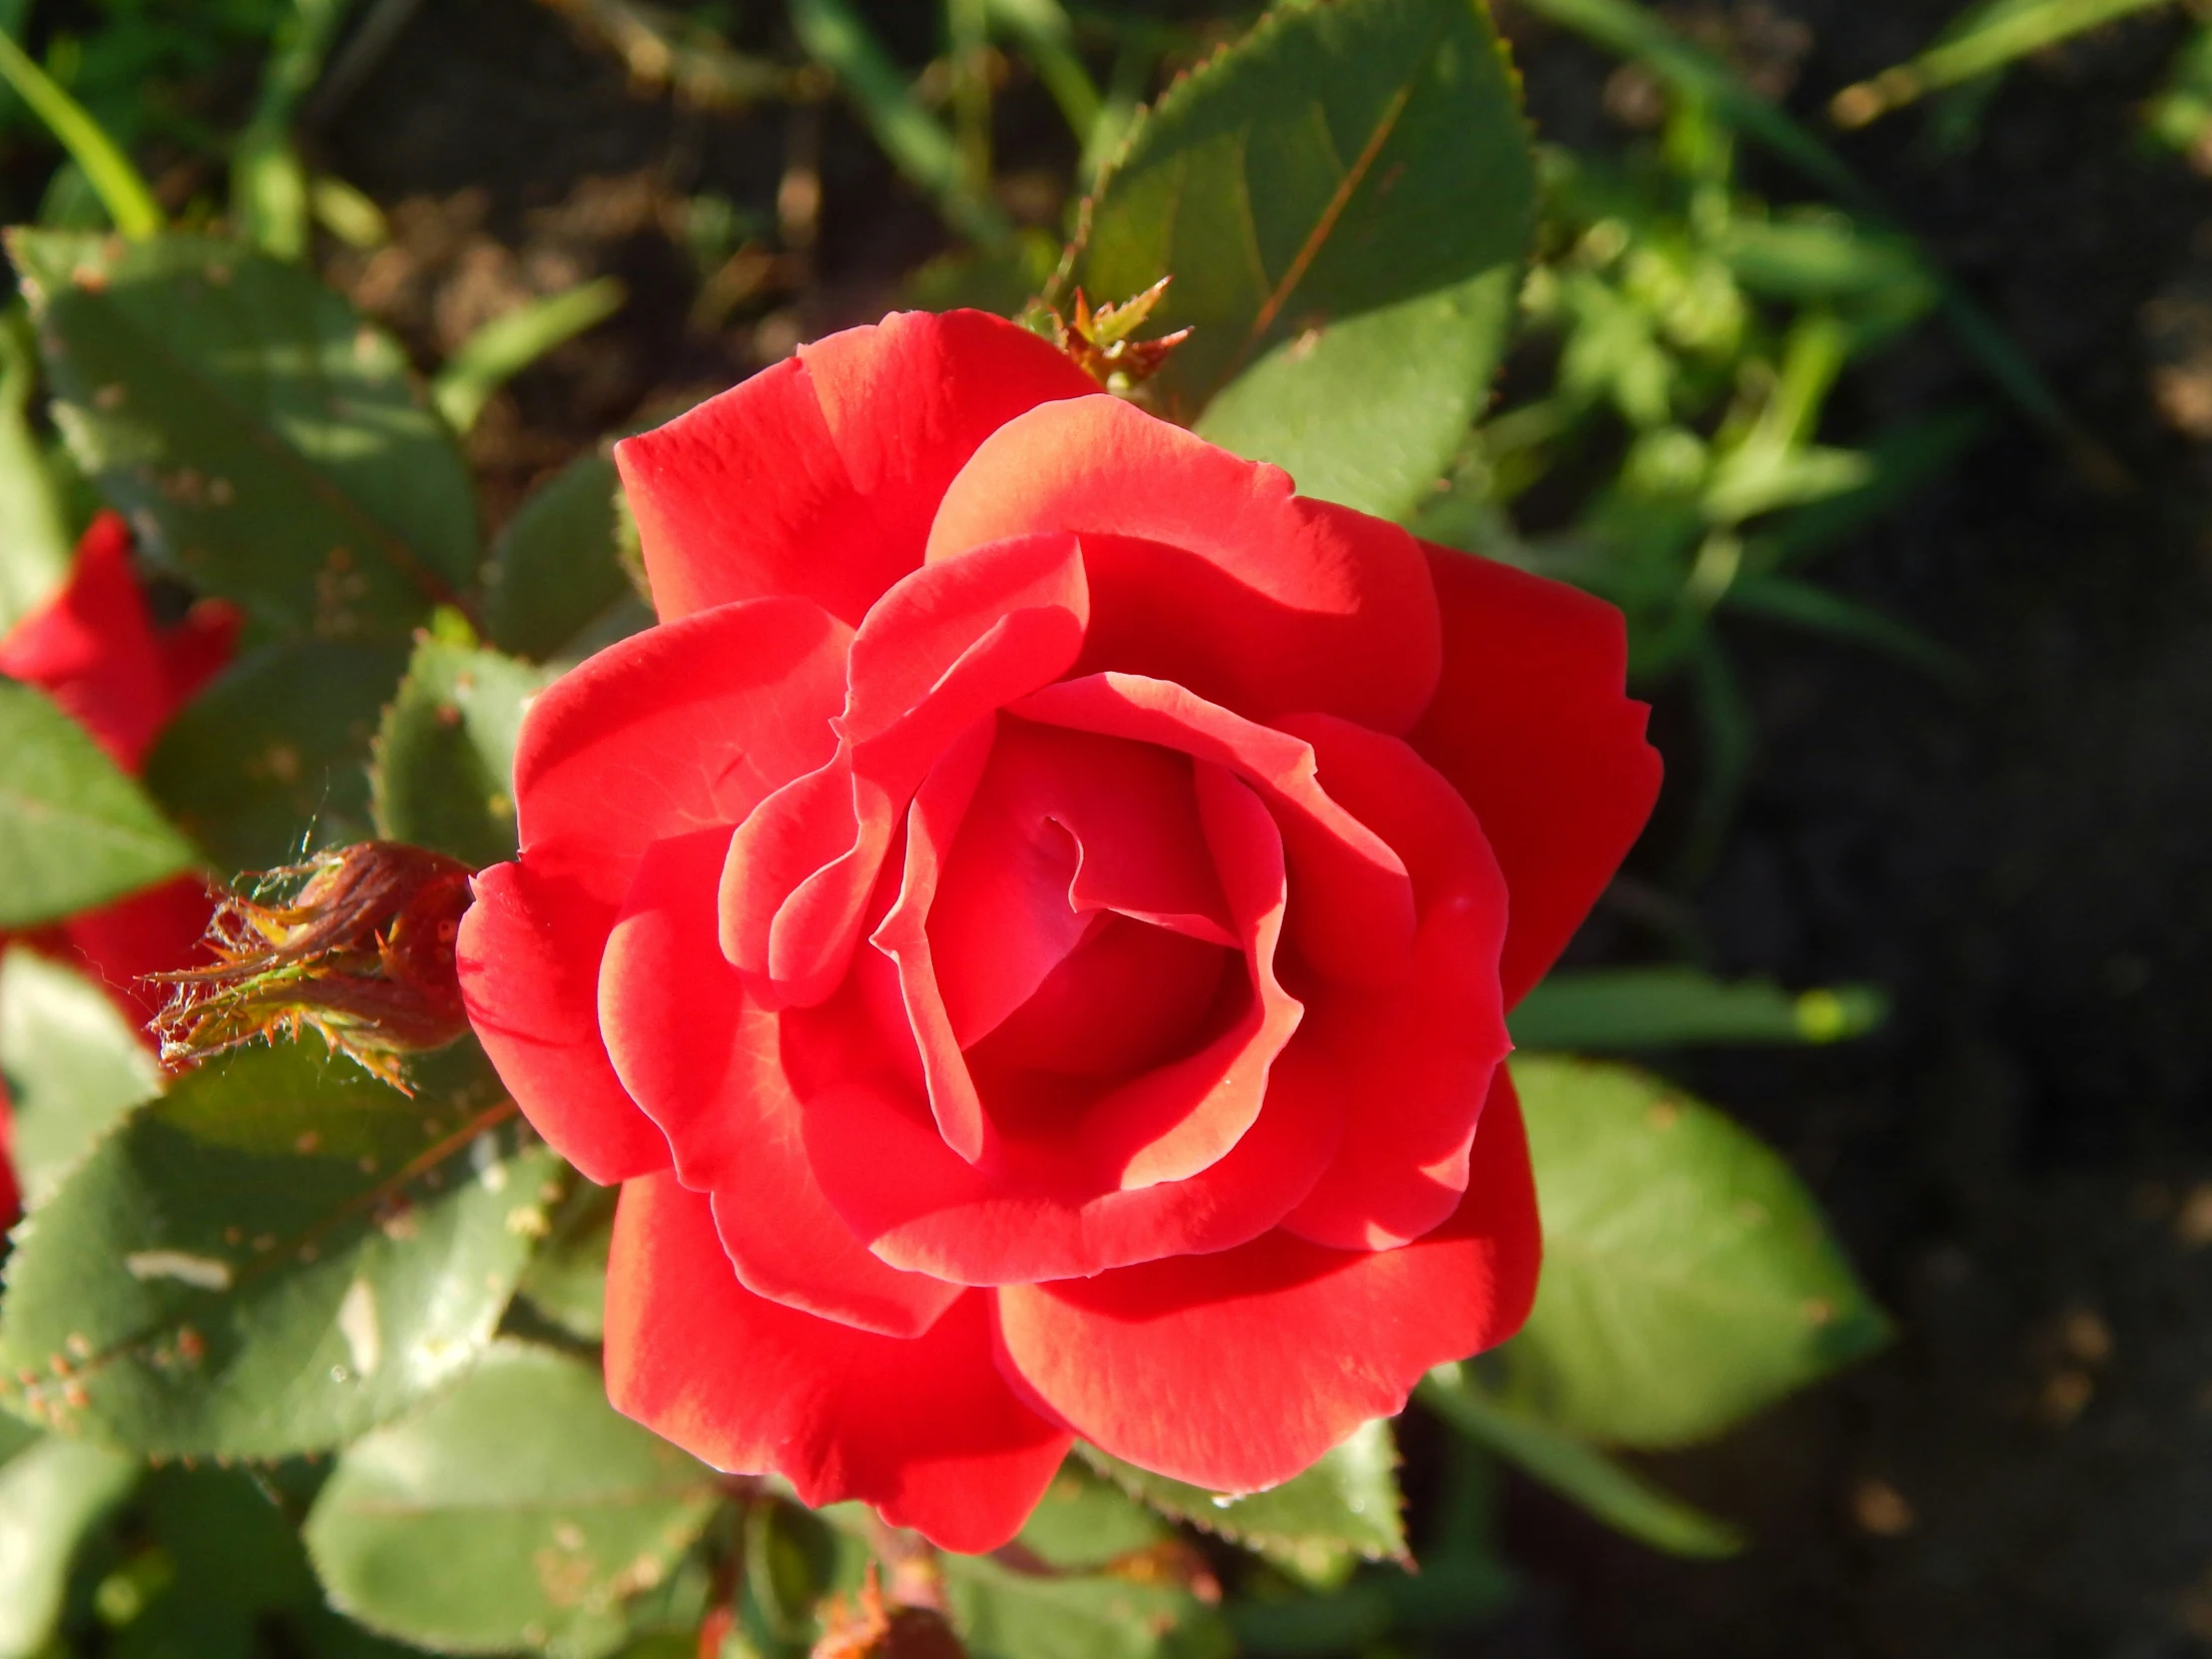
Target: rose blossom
[(93, 648), (1032, 929)]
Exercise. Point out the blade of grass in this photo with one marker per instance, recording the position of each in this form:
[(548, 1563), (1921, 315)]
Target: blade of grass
[(269, 192), (1628, 30), (1578, 1471), (122, 190), (506, 345), (831, 33), (2002, 39), (1047, 40), (967, 31), (1729, 737), (1817, 608)]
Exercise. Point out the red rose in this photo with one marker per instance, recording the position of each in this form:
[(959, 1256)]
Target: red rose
[(93, 648), (1032, 927)]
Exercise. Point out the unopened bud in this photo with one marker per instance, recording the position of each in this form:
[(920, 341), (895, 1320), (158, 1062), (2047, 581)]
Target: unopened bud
[(1100, 343), (357, 945)]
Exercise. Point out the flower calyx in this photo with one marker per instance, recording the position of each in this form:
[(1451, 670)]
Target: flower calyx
[(355, 943), (1098, 342)]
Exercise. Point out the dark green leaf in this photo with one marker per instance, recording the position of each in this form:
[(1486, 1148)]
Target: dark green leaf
[(52, 1493), (1085, 1521), (273, 755), (278, 1254), (558, 564), (75, 833), (1345, 201), (72, 1065), (445, 754), (228, 1539), (1345, 1509), (1688, 1278), (1578, 1471), (1657, 1007), (260, 434), (517, 1511)]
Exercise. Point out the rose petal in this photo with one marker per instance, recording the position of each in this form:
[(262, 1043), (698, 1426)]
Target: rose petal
[(703, 1061), (1064, 823), (684, 724), (1532, 725), (11, 1195), (925, 1429), (903, 936), (1204, 569), (528, 953), (1412, 1061), (687, 724), (947, 646), (1236, 1370), (819, 477), (1194, 1157), (1353, 918)]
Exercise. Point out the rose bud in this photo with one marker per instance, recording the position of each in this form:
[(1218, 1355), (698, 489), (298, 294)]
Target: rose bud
[(361, 952), (1032, 927)]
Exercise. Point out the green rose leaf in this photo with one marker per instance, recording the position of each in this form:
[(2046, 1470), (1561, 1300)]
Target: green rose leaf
[(1346, 200), (1085, 1521), (277, 747), (75, 833), (517, 1510), (260, 435), (53, 1492), (1688, 1278), (72, 1062), (557, 566), (275, 1257), (445, 754), (1318, 1523)]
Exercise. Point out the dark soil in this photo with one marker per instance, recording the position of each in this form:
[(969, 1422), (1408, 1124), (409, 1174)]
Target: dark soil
[(2022, 1161)]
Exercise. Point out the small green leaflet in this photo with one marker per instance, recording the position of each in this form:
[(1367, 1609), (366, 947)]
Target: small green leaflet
[(1688, 1278), (1345, 1509), (517, 1510), (443, 776), (73, 1064), (557, 565), (275, 1257), (75, 833)]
